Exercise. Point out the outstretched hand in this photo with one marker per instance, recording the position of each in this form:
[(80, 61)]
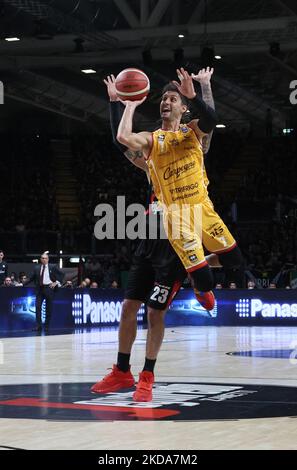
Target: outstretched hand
[(112, 92), (111, 88), (186, 86), (203, 76)]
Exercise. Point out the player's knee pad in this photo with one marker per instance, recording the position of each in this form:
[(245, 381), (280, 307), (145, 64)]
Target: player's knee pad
[(231, 259), (202, 279)]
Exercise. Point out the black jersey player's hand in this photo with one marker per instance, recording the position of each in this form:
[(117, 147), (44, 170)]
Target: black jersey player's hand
[(111, 88), (203, 76), (186, 86)]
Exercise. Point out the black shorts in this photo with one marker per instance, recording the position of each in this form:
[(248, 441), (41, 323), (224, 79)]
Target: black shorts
[(156, 274)]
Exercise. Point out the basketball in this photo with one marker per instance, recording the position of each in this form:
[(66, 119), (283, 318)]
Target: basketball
[(132, 84)]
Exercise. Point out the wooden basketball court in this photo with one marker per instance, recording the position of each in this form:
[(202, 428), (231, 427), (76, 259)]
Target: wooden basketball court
[(216, 388)]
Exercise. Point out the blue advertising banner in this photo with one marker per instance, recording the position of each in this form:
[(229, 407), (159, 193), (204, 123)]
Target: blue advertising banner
[(71, 308), (236, 307), (102, 307)]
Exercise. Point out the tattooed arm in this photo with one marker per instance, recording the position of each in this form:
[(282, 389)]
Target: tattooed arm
[(203, 77), (136, 158)]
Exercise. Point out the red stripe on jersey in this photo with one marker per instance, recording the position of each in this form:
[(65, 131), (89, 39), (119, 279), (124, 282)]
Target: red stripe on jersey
[(198, 266), (175, 289)]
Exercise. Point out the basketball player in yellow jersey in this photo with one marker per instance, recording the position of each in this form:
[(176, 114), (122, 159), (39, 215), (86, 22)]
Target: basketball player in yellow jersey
[(175, 162)]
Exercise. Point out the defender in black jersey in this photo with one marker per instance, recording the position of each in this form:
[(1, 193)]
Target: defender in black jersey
[(155, 277), (156, 273)]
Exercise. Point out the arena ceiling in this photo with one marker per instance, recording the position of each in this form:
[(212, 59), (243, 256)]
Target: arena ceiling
[(257, 40)]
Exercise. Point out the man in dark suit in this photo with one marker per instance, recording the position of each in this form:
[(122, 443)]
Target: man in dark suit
[(47, 278)]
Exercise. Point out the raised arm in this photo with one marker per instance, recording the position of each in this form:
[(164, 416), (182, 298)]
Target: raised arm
[(204, 78), (134, 141), (116, 110), (207, 116)]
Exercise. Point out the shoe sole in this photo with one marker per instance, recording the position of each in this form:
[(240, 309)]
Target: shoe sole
[(142, 401), (150, 397), (115, 389)]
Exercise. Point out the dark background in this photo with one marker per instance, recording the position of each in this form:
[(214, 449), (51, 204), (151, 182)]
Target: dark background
[(55, 127)]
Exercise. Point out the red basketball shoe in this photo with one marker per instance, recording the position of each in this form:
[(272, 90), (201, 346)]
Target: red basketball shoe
[(114, 381), (206, 299), (144, 387)]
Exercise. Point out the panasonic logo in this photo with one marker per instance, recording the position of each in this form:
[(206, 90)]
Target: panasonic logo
[(272, 310), (85, 310), (255, 307), (101, 312)]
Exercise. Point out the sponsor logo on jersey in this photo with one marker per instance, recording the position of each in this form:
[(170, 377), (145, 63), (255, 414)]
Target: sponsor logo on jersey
[(193, 258), (178, 171), (181, 189)]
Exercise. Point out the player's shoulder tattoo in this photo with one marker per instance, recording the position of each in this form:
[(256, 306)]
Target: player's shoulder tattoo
[(134, 154)]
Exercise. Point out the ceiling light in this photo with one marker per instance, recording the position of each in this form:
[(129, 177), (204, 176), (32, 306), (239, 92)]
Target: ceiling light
[(181, 35), (12, 39), (88, 71), (218, 57), (220, 126)]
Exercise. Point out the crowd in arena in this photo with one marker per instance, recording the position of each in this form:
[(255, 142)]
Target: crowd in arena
[(262, 215), (28, 188)]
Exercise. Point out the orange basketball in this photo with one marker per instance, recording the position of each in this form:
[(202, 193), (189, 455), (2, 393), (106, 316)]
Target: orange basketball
[(132, 84)]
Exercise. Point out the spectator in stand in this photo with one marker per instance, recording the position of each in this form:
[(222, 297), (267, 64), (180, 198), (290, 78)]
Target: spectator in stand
[(3, 268), (83, 285), (68, 285), (251, 285), (87, 281), (218, 286), (23, 279), (7, 282), (232, 285), (14, 280), (93, 268), (114, 285), (94, 285), (272, 285)]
